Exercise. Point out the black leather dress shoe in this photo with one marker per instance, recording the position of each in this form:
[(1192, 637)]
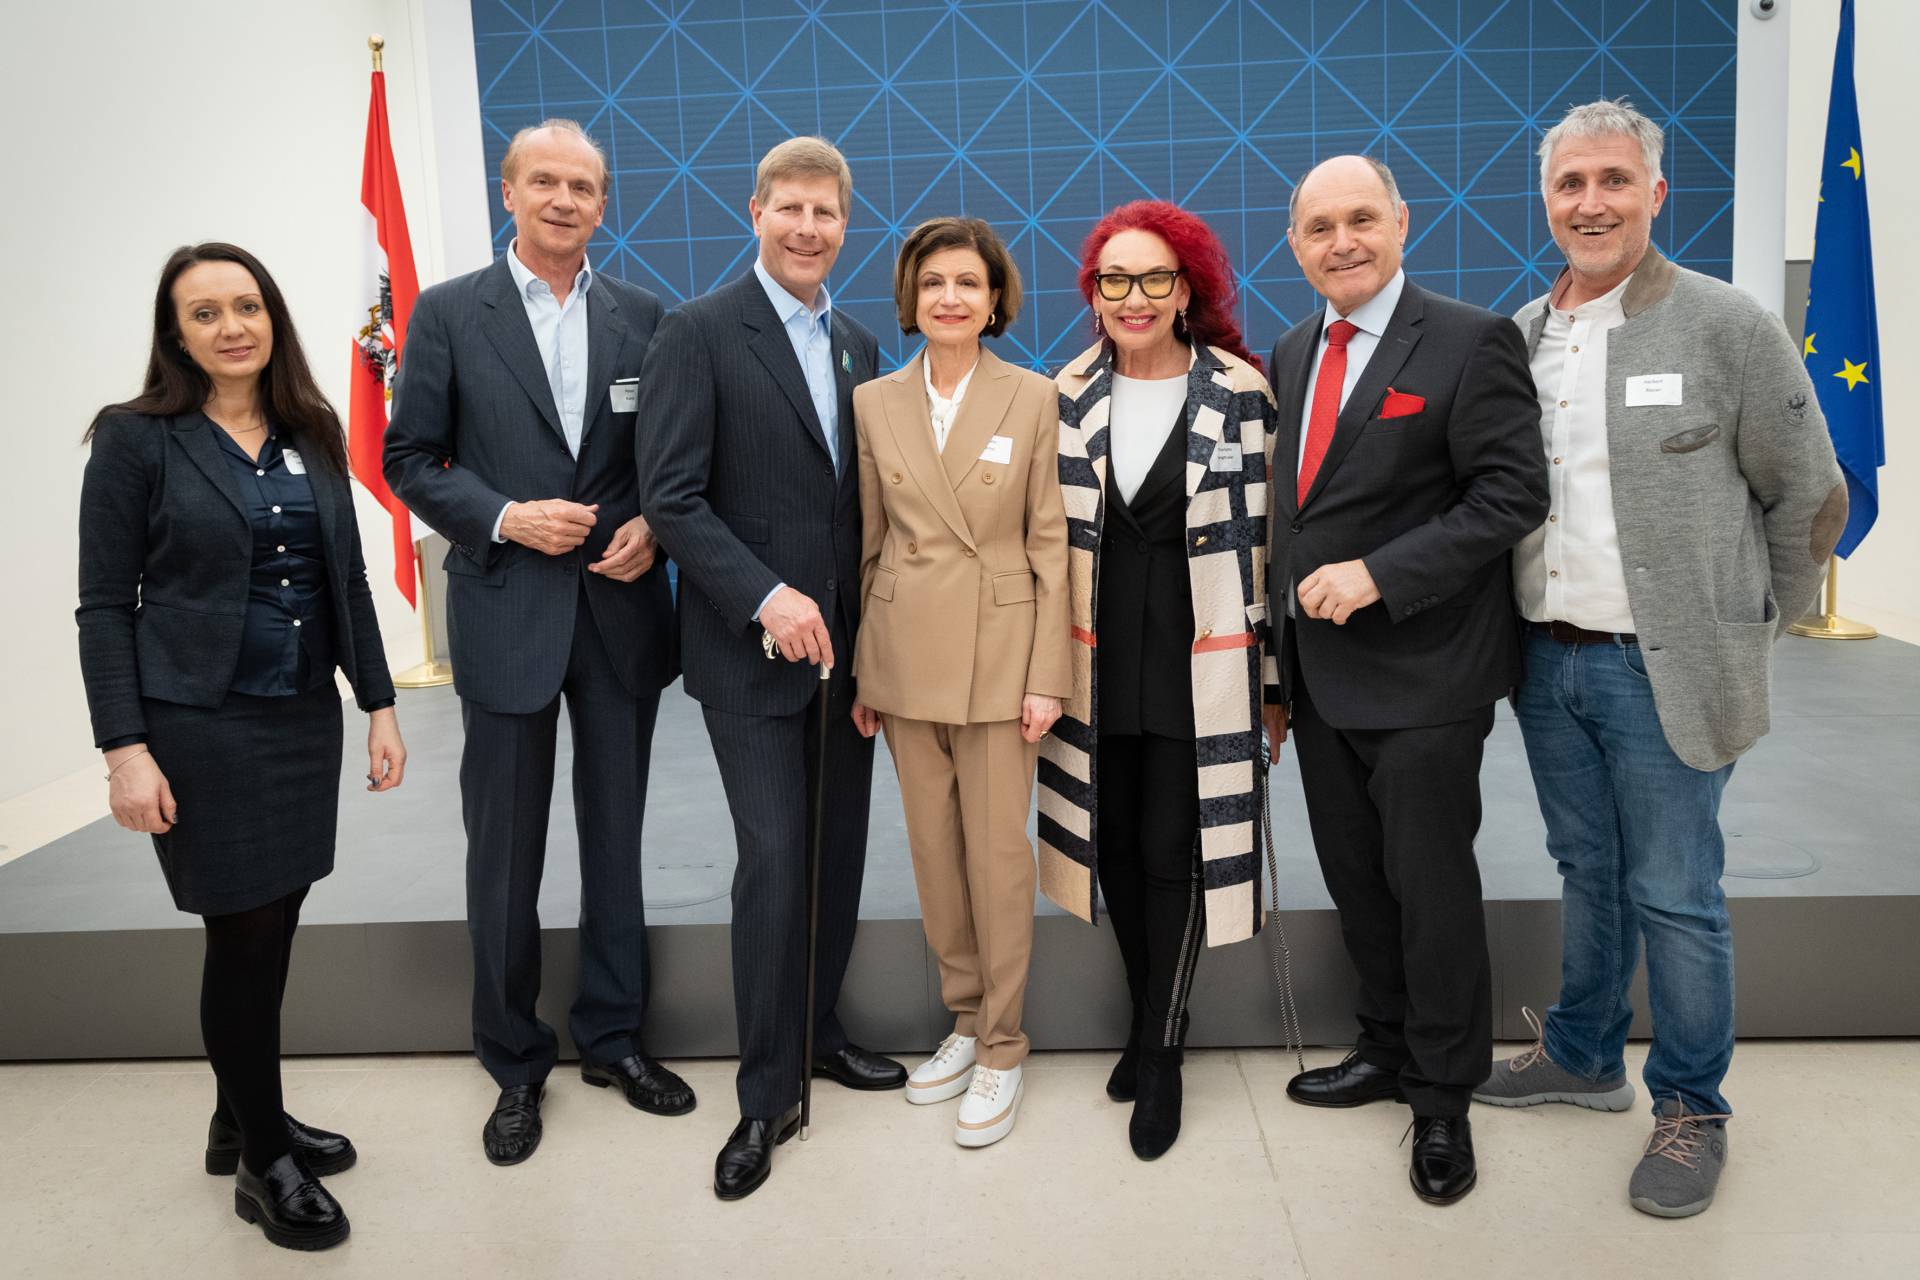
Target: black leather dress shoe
[(1443, 1169), (289, 1205), (322, 1154), (859, 1068), (513, 1130), (747, 1159), (1348, 1083), (647, 1085)]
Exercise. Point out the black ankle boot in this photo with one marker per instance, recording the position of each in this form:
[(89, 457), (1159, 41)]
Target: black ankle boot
[(1123, 1083), (1156, 1109)]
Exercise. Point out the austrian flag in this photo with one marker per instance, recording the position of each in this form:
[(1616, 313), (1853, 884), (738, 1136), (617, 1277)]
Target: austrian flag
[(391, 287)]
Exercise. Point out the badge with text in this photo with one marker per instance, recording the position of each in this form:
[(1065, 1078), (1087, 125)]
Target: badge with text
[(1226, 456), (999, 449), (625, 395), (296, 465), (1653, 388)]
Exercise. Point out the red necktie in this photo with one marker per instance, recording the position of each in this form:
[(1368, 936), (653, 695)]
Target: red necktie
[(1326, 404)]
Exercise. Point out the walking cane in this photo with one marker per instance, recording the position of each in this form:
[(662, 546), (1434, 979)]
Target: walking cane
[(813, 901)]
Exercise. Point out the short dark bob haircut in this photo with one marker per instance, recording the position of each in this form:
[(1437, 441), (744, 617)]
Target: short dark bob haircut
[(938, 234)]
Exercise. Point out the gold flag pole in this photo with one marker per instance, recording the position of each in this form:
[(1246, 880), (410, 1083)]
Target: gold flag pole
[(432, 672), (376, 43), (1830, 625)]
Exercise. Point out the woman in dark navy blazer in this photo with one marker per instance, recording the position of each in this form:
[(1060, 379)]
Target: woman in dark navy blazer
[(221, 585)]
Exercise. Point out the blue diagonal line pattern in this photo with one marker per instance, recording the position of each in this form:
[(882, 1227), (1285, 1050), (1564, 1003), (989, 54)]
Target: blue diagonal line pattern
[(1039, 116)]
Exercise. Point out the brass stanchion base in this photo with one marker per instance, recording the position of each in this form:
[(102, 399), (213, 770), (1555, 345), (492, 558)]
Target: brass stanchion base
[(425, 675), (1821, 626)]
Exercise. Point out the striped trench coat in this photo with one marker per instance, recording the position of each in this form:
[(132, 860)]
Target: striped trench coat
[(1227, 403)]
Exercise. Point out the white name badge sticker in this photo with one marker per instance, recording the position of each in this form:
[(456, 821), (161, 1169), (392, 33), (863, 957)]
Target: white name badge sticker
[(625, 396), (296, 465), (999, 449), (1226, 456), (1653, 388)]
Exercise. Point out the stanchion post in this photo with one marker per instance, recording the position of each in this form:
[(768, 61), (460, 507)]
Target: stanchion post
[(1830, 625), (432, 672)]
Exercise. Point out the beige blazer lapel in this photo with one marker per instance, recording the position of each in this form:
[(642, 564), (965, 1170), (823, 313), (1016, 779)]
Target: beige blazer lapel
[(905, 399), (989, 396)]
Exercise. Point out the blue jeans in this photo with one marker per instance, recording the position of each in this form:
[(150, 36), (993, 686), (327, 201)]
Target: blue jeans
[(1637, 836)]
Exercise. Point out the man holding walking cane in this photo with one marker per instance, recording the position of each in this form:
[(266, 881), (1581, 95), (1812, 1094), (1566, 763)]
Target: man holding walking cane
[(745, 444)]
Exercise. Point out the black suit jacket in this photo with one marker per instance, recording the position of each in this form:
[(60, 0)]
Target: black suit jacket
[(474, 427), (166, 556), (1146, 601), (737, 482), (1433, 502)]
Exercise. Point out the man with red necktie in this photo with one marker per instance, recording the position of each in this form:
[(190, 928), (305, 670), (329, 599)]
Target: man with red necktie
[(1415, 431)]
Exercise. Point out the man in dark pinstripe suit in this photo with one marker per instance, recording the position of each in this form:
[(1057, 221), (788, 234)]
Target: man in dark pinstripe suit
[(512, 435), (745, 443)]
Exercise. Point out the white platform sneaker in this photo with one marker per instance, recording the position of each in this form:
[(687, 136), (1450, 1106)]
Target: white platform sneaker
[(946, 1074), (986, 1113)]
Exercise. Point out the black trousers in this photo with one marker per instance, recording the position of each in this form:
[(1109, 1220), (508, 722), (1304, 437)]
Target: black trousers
[(506, 789), (1149, 862), (768, 765), (1394, 813)]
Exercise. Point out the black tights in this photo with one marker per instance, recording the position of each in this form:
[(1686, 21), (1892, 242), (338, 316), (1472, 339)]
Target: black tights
[(1149, 824), (240, 992)]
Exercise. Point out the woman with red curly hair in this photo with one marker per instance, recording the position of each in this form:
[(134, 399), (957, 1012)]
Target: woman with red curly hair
[(1150, 784)]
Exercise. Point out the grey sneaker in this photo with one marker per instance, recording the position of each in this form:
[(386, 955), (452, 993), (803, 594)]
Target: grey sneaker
[(1682, 1164), (1530, 1078)]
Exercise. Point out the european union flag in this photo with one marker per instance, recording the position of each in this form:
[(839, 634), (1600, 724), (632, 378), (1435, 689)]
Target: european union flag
[(1842, 344)]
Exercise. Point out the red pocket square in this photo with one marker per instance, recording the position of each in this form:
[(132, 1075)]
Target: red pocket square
[(1401, 404)]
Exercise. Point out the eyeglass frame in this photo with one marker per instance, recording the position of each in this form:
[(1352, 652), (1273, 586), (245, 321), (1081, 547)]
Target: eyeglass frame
[(1137, 279)]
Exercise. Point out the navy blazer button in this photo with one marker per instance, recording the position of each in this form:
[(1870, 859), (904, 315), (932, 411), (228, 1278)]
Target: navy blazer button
[(1296, 526), (831, 584)]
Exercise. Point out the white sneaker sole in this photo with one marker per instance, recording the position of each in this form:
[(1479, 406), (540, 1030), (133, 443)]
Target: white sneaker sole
[(923, 1095), (1612, 1100), (987, 1135)]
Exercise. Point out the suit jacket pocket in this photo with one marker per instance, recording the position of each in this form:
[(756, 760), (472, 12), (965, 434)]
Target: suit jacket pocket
[(884, 580), (1392, 426), (1013, 588), (462, 568), (1688, 441)]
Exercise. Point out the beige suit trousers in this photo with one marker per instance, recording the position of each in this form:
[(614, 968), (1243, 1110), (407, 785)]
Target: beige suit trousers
[(967, 790)]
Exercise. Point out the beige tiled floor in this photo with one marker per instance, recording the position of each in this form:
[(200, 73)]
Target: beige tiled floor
[(99, 1175)]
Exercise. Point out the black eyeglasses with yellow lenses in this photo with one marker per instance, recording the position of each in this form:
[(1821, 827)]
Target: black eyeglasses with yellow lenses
[(1115, 286)]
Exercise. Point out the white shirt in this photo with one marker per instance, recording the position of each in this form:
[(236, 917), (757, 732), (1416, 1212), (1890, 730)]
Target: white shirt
[(942, 410), (1144, 413), (560, 331), (1370, 318), (1569, 569)]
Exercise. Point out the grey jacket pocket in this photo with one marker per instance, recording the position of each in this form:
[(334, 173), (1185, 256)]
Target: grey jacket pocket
[(1688, 441)]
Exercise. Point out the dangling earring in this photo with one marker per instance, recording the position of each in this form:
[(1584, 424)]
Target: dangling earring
[(1180, 322), (1098, 327)]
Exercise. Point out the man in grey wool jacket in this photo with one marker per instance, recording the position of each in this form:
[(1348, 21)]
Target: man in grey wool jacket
[(1695, 501)]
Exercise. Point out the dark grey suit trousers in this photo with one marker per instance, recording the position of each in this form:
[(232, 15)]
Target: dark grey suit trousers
[(506, 789)]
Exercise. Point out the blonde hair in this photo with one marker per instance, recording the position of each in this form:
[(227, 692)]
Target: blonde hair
[(510, 162), (804, 158)]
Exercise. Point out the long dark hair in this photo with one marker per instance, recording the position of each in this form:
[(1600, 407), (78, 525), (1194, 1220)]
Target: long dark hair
[(289, 396)]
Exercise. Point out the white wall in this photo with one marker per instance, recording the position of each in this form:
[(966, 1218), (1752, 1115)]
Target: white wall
[(139, 125), (1880, 584)]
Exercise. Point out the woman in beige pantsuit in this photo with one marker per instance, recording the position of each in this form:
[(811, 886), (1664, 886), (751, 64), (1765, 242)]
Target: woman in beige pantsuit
[(962, 652)]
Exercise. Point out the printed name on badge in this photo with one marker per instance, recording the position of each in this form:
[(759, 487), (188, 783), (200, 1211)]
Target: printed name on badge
[(296, 465), (1226, 456), (999, 449), (624, 396), (1653, 388)]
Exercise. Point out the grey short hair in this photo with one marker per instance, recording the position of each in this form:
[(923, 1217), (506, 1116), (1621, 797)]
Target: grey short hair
[(806, 157), (1380, 171), (1605, 119), (510, 162)]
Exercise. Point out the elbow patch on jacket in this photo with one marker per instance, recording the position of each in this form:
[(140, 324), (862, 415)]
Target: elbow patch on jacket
[(1827, 525)]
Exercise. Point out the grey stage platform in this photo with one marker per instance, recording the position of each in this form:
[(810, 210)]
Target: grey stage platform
[(94, 962)]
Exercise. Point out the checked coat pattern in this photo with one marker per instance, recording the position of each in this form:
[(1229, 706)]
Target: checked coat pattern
[(1227, 402)]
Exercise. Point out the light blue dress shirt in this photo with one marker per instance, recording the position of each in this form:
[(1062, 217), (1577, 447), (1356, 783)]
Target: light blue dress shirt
[(560, 331), (810, 330)]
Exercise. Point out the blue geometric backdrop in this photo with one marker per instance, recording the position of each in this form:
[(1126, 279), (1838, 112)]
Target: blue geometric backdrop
[(1041, 116)]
